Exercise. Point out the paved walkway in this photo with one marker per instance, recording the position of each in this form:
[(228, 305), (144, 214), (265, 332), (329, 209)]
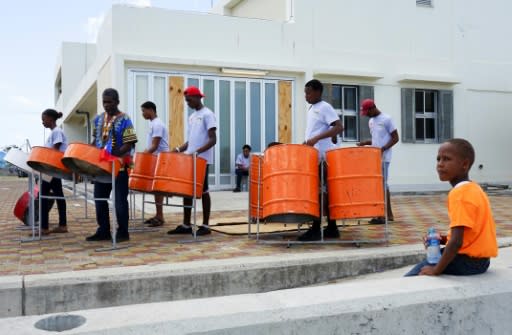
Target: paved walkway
[(70, 252)]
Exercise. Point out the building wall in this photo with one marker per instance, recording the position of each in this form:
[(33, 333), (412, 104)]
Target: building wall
[(457, 45), (260, 9)]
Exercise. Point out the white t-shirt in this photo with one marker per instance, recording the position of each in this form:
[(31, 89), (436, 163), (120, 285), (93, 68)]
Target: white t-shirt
[(320, 117), (199, 122), (243, 161), (57, 136), (157, 129), (381, 127)]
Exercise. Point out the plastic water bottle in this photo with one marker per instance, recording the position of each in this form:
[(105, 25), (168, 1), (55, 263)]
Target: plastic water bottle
[(433, 246)]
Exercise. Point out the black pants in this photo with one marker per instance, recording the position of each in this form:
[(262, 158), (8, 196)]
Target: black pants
[(239, 174), (102, 190), (54, 187)]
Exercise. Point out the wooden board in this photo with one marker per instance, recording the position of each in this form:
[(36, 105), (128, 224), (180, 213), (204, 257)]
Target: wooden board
[(176, 107), (285, 111)]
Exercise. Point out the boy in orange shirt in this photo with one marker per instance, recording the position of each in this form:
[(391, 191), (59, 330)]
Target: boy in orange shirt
[(471, 241)]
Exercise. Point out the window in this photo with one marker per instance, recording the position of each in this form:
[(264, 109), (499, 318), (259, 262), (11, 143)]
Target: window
[(427, 115), (345, 101)]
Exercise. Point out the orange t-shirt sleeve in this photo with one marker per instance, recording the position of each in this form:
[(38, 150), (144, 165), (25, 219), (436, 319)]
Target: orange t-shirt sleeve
[(469, 207)]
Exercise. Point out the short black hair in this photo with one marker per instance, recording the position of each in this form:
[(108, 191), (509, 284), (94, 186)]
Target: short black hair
[(247, 146), (271, 144), (52, 113), (111, 92), (464, 149), (315, 85), (149, 105)]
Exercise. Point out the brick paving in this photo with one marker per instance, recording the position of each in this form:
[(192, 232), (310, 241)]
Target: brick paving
[(70, 252)]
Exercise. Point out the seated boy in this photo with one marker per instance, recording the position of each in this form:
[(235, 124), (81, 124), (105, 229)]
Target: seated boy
[(471, 241), (242, 166)]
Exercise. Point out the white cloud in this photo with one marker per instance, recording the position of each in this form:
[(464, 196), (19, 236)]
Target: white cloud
[(24, 101), (137, 3)]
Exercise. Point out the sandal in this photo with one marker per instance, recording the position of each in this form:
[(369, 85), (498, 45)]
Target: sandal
[(156, 222), (150, 220)]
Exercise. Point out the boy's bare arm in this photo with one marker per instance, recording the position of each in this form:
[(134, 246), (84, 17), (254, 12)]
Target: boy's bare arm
[(449, 253)]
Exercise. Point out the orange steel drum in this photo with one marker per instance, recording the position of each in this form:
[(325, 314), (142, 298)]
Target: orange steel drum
[(84, 159), (174, 174), (48, 161), (255, 186), (354, 183), (141, 177), (290, 183)]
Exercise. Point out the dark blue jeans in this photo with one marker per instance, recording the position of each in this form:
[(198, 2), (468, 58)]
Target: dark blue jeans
[(102, 190), (462, 265), (239, 174), (55, 188)]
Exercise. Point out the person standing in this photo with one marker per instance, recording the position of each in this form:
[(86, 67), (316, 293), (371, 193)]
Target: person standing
[(113, 130), (242, 164), (202, 136), (58, 141), (384, 136), (323, 123), (157, 141)]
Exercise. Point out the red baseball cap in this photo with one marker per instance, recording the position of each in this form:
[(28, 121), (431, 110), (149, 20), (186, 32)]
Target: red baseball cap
[(366, 104), (193, 91)]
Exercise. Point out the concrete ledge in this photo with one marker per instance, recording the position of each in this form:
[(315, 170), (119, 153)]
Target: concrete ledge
[(11, 288), (70, 291), (426, 305)]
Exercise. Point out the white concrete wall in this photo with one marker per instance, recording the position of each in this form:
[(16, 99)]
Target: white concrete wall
[(76, 61), (368, 42), (261, 9)]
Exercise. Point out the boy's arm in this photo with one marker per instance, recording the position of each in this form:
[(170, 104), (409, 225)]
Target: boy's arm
[(449, 253)]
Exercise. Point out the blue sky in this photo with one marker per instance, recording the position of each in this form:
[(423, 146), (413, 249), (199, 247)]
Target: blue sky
[(31, 32)]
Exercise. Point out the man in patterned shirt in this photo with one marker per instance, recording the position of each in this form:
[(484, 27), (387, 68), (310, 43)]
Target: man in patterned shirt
[(113, 130)]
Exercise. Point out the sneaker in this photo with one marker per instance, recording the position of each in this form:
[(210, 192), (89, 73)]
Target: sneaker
[(203, 231), (122, 238), (310, 235), (236, 190), (60, 229), (180, 230), (377, 221), (331, 232), (99, 237)]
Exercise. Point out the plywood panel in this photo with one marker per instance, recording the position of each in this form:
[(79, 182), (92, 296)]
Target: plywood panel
[(285, 111), (176, 105)]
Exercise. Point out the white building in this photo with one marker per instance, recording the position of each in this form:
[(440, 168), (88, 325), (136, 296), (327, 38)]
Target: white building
[(440, 68)]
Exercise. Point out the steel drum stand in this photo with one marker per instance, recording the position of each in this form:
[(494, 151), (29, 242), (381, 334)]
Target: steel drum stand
[(322, 221), (40, 210), (133, 210), (114, 217), (194, 207)]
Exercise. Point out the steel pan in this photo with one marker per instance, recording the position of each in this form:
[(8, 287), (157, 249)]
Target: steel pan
[(174, 175), (19, 159), (48, 161), (84, 159), (141, 177), (255, 187), (355, 183), (290, 183)]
